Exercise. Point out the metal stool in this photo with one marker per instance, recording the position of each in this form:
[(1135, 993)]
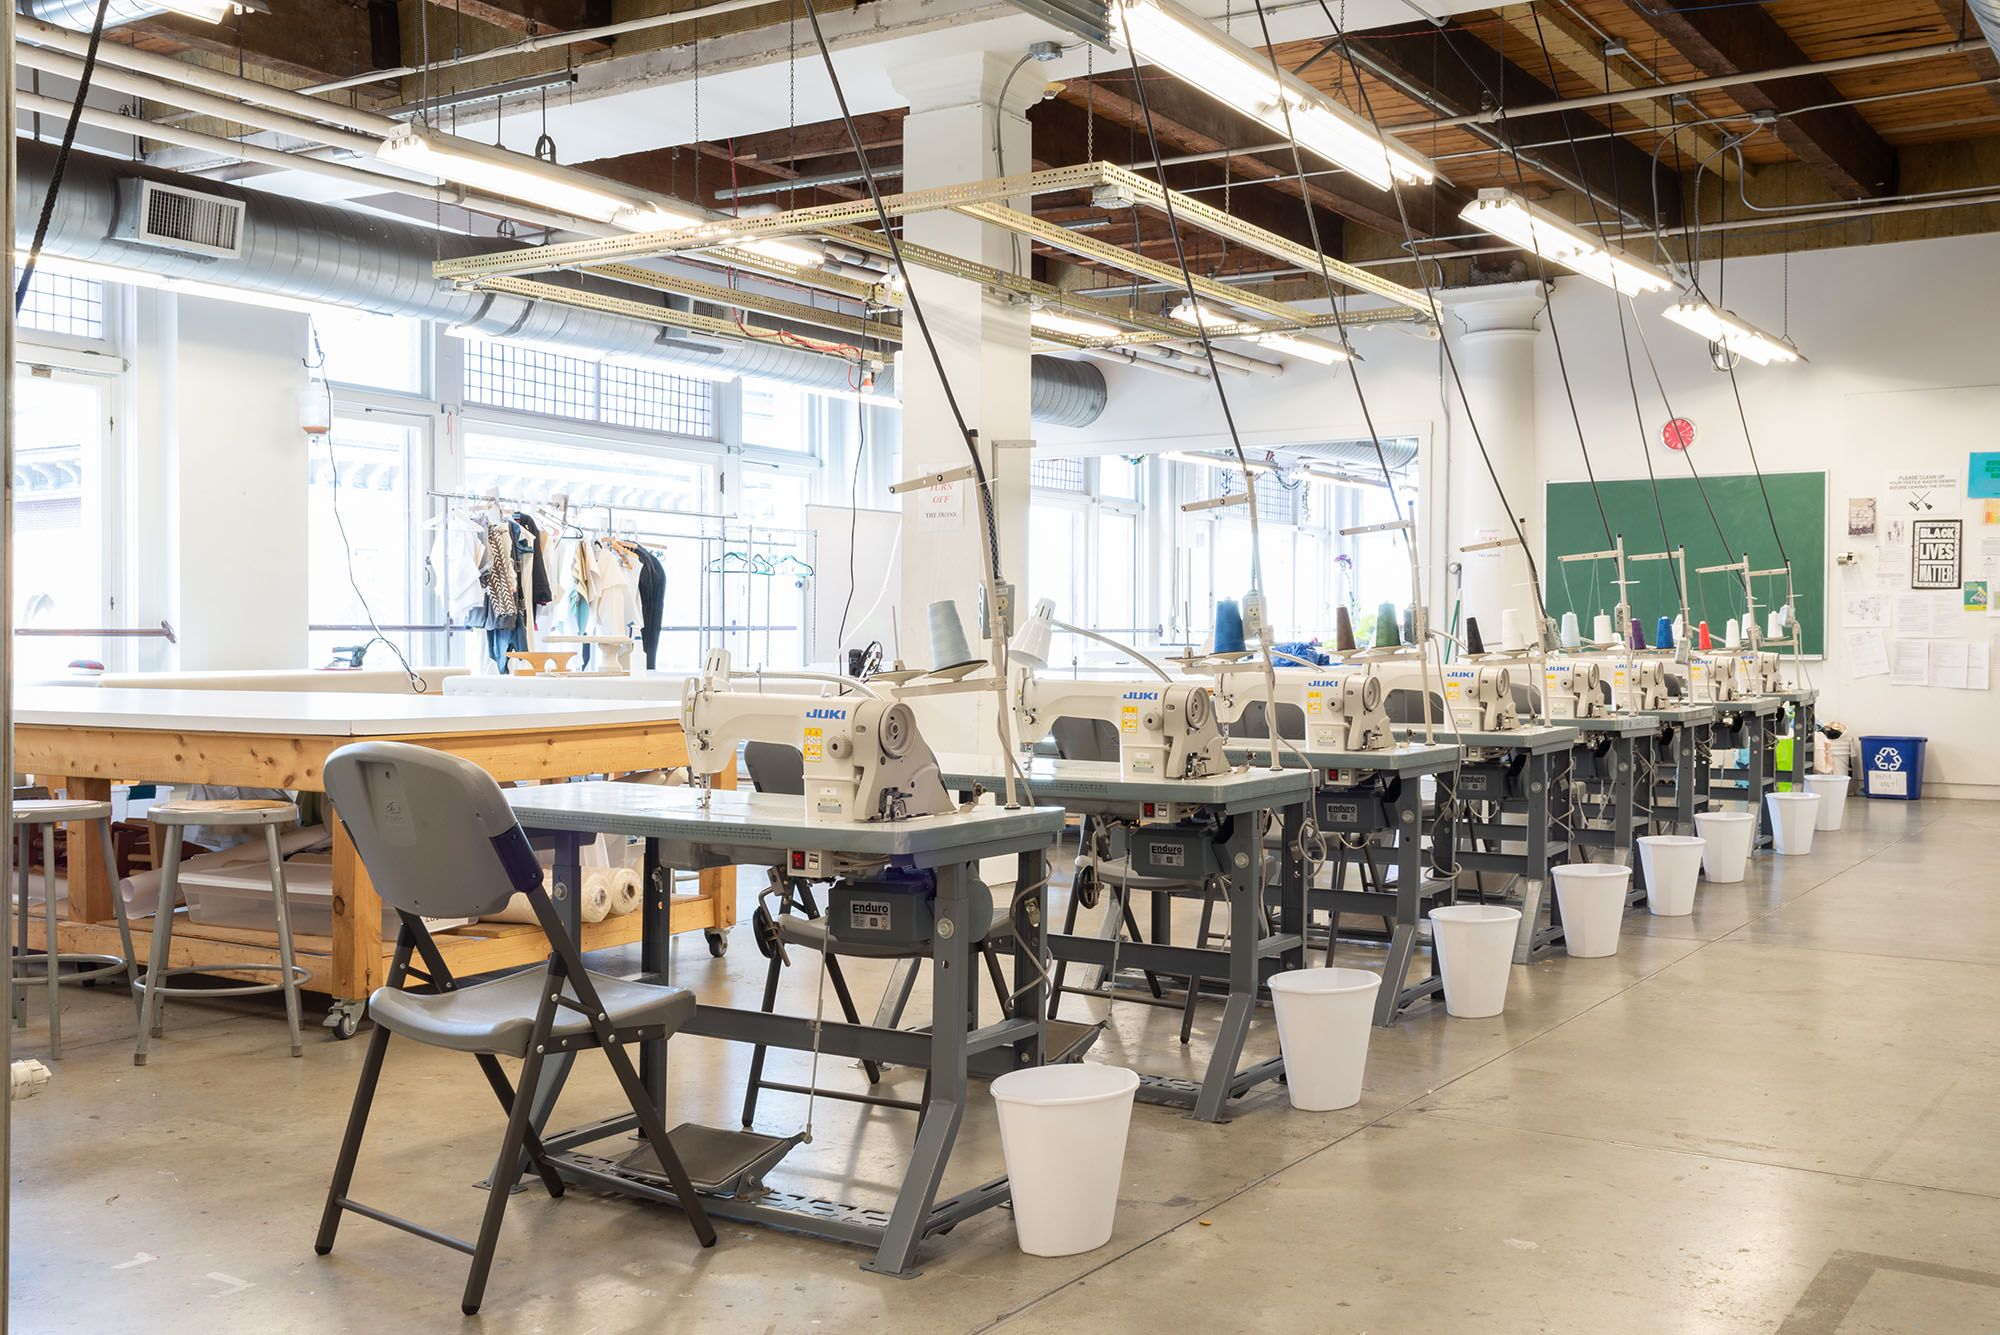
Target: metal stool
[(234, 814), (46, 814)]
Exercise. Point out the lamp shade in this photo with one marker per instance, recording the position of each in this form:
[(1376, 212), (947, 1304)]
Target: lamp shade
[(1030, 645)]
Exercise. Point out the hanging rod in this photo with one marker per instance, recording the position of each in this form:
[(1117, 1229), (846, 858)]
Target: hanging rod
[(164, 631)]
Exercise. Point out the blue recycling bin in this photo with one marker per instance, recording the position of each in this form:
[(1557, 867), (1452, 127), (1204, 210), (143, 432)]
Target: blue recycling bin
[(1893, 767)]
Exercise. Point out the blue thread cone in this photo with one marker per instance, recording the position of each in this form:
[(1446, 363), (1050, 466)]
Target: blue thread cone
[(1663, 638), (1228, 627)]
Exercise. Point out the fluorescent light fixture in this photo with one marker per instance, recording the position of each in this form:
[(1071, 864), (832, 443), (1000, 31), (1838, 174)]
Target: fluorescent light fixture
[(1203, 316), (1291, 345), (517, 176), (207, 11), (1208, 59), (1738, 336), (1559, 241), (655, 217), (1061, 322), (1227, 465)]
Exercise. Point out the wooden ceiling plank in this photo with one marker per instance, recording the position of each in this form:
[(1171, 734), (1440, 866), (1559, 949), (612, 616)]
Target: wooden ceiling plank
[(1461, 74), (1837, 142), (1576, 49), (532, 18), (1985, 64)]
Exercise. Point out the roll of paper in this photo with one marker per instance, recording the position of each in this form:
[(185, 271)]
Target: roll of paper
[(596, 901), (625, 893)]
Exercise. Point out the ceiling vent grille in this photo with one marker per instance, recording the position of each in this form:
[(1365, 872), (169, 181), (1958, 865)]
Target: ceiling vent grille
[(184, 220)]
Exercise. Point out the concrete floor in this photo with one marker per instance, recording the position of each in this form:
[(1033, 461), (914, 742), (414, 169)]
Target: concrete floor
[(1777, 1115)]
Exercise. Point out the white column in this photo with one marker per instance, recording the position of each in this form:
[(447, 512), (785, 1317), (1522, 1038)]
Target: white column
[(983, 341), (1495, 350)]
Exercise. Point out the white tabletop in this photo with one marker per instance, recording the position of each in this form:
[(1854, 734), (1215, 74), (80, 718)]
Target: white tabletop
[(320, 714)]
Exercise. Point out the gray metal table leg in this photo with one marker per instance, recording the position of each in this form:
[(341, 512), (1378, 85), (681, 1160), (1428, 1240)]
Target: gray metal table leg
[(951, 974), (1534, 875), (896, 994), (1244, 853), (1409, 903)]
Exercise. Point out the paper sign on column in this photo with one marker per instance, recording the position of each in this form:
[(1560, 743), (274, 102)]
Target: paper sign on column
[(1949, 659), (1867, 653), (1924, 615), (941, 509), (1912, 665)]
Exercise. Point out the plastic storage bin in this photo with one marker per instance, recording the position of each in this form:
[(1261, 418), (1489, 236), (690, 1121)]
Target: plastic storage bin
[(1893, 767)]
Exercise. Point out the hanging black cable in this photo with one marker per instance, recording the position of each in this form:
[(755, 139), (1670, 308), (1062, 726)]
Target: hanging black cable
[(910, 295), (62, 160)]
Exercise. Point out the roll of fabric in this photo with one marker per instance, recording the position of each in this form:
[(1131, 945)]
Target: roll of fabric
[(625, 893), (596, 892)]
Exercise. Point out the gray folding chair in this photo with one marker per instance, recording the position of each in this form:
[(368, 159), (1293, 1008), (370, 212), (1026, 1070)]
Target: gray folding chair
[(439, 840)]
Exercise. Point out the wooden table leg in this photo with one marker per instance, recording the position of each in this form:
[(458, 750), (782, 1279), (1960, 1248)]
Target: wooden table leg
[(357, 922), (718, 885), (91, 881)]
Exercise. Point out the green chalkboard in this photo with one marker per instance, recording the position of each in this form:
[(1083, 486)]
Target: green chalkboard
[(1799, 500)]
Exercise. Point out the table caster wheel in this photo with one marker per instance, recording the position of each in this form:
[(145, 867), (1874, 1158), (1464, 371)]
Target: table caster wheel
[(718, 944), (344, 1019)]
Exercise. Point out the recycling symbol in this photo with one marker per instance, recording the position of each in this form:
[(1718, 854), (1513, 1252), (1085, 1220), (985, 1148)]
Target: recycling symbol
[(1888, 758)]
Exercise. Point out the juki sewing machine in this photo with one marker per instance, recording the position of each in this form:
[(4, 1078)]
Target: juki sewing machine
[(1342, 705), (864, 759), (1166, 730)]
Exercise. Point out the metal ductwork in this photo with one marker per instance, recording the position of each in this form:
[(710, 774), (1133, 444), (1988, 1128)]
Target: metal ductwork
[(318, 253), (1987, 12), (1398, 453), (80, 14)]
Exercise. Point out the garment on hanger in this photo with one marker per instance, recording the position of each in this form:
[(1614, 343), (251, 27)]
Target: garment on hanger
[(541, 592), (615, 587), (652, 602), (456, 567)]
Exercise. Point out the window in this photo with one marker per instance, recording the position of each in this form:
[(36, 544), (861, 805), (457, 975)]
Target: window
[(362, 549), (531, 380), (371, 351), (60, 304), (60, 572), (1117, 479), (654, 401), (1058, 475), (773, 496), (587, 472), (1117, 610), (778, 417)]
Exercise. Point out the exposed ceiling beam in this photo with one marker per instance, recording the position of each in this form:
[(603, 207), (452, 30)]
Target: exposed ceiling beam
[(1060, 134), (1734, 39), (878, 129), (1455, 72), (1191, 122), (302, 39), (533, 18), (1579, 51)]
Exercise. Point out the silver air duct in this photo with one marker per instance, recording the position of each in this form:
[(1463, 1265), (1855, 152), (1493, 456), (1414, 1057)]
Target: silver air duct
[(314, 252), (1988, 14), (80, 14)]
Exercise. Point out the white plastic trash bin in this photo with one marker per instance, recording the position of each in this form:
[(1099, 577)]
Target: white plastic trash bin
[(1475, 950), (1727, 835), (1324, 1020), (1062, 1132), (1831, 790), (1672, 863), (1793, 816), (1592, 898)]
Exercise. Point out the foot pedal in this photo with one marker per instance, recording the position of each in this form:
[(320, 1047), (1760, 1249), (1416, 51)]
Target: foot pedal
[(1067, 1041), (719, 1162)]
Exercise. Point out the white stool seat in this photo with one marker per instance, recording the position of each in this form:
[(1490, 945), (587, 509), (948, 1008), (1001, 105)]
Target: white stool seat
[(53, 810), (234, 812)]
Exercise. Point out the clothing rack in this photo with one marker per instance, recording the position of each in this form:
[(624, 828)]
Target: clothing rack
[(737, 608)]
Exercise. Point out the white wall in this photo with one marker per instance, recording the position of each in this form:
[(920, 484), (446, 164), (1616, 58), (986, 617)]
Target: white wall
[(226, 378), (1904, 373)]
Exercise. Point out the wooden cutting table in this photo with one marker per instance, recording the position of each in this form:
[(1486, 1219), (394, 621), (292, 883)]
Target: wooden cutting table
[(82, 740)]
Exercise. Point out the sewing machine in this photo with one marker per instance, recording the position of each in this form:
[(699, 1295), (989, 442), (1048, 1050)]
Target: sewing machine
[(1760, 672), (1713, 679), (1480, 696), (864, 760), (1166, 730), (1343, 706), (1575, 687)]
